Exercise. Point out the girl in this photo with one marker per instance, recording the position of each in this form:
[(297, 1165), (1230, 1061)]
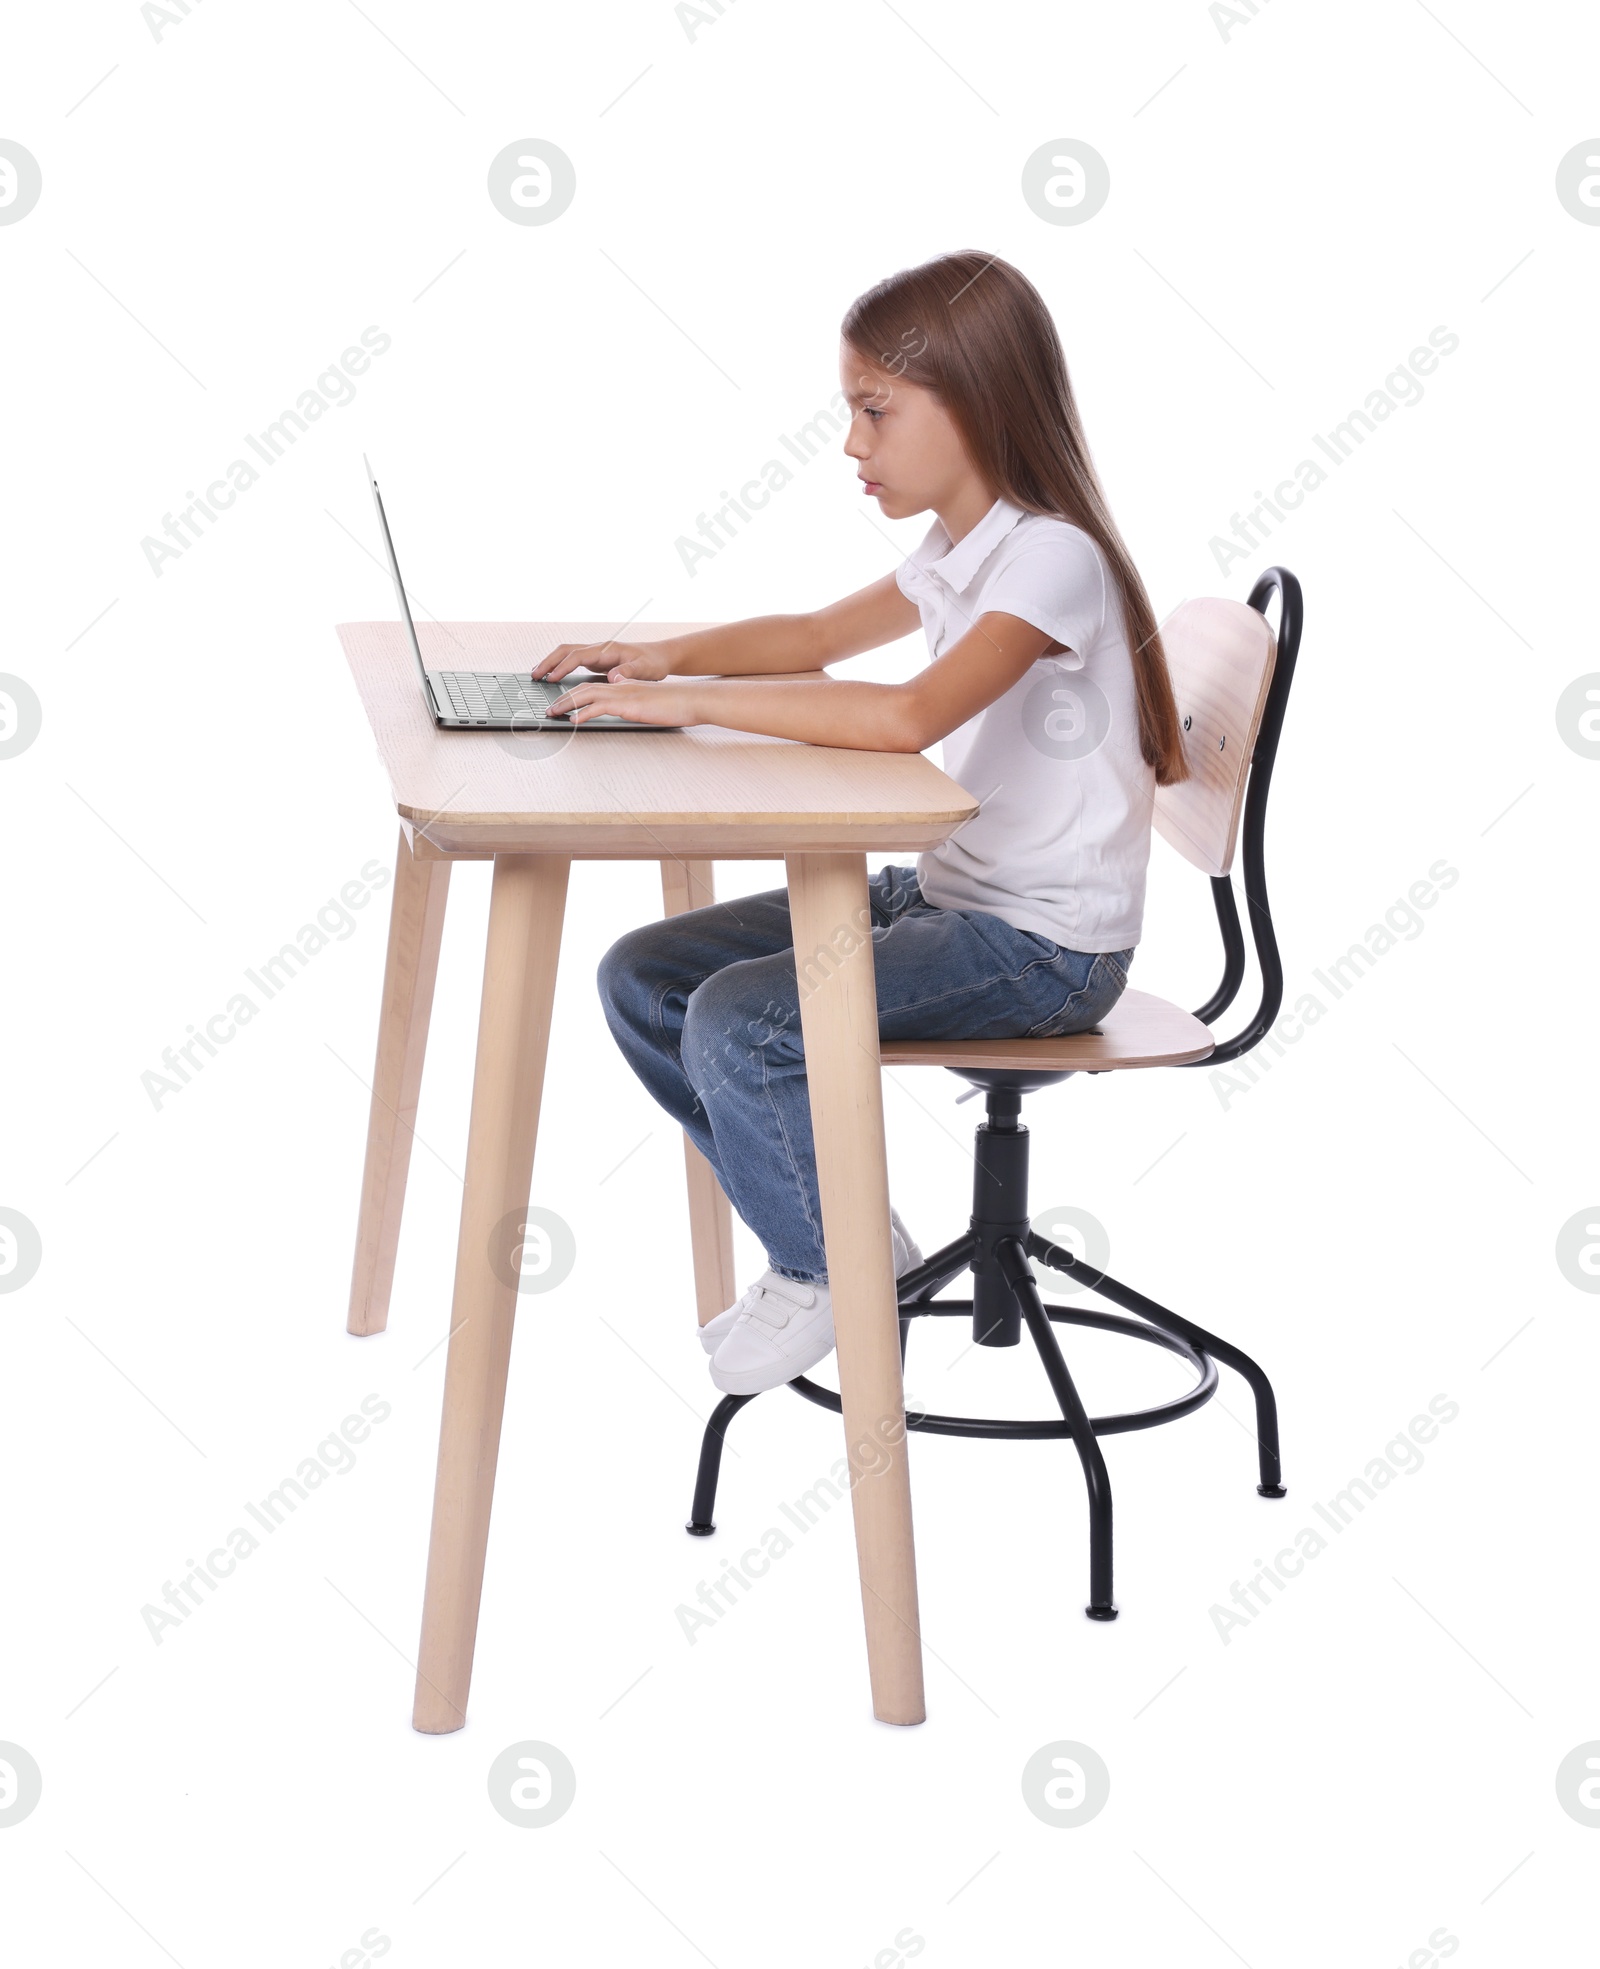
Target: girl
[(1047, 684)]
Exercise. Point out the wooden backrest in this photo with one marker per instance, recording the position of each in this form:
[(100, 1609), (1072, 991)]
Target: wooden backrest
[(1220, 656)]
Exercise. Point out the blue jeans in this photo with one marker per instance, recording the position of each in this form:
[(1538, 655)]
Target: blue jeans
[(706, 1008)]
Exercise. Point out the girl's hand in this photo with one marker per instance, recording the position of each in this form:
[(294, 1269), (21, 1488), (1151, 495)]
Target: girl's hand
[(642, 660), (643, 701)]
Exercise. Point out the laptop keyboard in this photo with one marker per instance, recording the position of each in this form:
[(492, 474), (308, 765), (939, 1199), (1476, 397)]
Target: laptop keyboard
[(503, 695)]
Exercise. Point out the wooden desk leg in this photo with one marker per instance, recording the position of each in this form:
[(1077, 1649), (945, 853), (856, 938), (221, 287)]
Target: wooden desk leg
[(416, 925), (839, 1025), (519, 980), (692, 885)]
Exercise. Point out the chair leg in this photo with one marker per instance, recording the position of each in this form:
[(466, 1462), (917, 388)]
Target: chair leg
[(1013, 1259), (924, 1280), (1271, 1484), (701, 1522)]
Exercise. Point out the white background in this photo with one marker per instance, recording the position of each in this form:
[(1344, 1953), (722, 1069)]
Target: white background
[(1295, 203)]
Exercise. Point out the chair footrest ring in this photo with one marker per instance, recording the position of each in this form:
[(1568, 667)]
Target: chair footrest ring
[(1002, 1429)]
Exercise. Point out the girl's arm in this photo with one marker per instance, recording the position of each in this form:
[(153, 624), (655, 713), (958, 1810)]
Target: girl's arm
[(765, 645), (908, 717)]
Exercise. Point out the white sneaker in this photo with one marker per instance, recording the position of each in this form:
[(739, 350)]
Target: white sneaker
[(907, 1251), (780, 1327), (907, 1255), (783, 1328)]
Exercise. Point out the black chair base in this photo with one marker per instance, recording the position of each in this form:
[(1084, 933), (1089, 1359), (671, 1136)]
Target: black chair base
[(996, 1249)]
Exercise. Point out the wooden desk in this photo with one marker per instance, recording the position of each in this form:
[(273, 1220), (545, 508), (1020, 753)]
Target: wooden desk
[(686, 799)]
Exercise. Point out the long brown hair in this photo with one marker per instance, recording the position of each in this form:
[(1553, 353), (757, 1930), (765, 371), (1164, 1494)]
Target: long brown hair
[(976, 332)]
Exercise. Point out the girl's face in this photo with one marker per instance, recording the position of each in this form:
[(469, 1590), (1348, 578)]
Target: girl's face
[(908, 452)]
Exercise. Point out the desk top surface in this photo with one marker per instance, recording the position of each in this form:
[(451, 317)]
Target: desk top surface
[(631, 794)]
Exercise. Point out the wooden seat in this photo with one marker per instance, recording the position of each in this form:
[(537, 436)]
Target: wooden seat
[(1140, 1030)]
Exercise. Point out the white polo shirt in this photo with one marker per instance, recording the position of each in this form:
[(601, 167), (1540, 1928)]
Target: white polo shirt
[(1061, 841)]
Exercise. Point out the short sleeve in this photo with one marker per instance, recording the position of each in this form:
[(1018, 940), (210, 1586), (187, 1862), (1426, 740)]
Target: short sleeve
[(1058, 584)]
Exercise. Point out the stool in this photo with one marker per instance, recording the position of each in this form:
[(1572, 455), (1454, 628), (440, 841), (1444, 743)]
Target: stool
[(1231, 677)]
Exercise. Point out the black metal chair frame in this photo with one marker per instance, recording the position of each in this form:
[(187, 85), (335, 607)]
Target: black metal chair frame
[(998, 1243)]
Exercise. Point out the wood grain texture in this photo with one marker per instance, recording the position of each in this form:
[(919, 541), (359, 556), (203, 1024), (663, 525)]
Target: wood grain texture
[(624, 793), (839, 1026), (1220, 655), (526, 906), (1140, 1030)]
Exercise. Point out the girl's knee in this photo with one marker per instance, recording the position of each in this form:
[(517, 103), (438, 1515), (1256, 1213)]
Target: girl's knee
[(624, 964), (731, 1020)]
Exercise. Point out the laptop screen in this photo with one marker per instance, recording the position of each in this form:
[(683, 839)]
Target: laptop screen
[(394, 569)]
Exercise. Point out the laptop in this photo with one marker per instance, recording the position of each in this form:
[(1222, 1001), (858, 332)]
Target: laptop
[(494, 700)]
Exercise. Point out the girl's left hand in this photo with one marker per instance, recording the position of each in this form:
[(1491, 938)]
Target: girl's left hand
[(662, 701)]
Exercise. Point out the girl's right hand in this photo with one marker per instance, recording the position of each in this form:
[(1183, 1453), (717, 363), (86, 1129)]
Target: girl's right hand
[(643, 660)]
